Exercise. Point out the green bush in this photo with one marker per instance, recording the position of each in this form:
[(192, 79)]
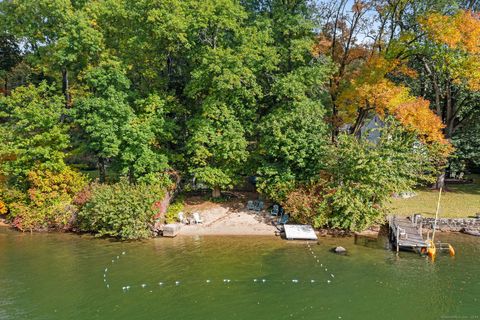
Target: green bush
[(173, 210), (121, 210)]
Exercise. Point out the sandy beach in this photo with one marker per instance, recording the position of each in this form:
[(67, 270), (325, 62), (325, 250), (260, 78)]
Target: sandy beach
[(228, 219)]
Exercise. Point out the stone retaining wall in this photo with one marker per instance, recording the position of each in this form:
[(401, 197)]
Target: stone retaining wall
[(451, 224)]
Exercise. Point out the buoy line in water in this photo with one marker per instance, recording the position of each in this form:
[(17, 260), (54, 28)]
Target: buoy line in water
[(175, 283), (318, 263)]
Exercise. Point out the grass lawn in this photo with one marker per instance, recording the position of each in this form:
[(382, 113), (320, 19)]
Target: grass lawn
[(459, 201)]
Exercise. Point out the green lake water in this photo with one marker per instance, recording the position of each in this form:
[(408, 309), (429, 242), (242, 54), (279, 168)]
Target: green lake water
[(62, 276)]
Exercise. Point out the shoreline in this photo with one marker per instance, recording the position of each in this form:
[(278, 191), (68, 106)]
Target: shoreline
[(233, 219)]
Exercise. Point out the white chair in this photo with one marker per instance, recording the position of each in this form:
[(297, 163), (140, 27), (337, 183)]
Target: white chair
[(181, 217), (196, 217)]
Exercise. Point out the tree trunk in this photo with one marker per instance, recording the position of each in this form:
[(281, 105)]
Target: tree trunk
[(216, 192), (131, 175), (102, 172), (65, 87), (5, 86), (440, 183)]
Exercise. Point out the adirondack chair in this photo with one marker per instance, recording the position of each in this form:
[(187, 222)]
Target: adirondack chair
[(250, 205), (259, 206), (283, 219), (181, 217), (196, 218), (275, 210)]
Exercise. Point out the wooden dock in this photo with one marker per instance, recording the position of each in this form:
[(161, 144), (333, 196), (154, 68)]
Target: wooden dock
[(405, 234)]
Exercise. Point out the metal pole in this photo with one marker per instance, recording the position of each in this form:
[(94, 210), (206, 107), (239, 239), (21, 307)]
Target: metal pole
[(398, 234), (436, 214)]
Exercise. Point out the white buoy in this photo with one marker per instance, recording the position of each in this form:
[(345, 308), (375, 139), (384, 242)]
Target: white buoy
[(328, 281), (128, 287), (318, 261), (332, 275), (124, 288), (208, 281), (177, 283), (104, 280), (123, 252), (263, 280), (312, 281), (113, 261), (160, 283), (326, 269), (295, 281), (108, 286), (144, 285), (254, 280), (118, 257), (106, 269)]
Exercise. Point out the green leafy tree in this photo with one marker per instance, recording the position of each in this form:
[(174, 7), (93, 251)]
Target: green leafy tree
[(104, 113), (31, 132), (217, 147), (142, 154), (360, 177), (61, 37), (9, 58), (292, 150)]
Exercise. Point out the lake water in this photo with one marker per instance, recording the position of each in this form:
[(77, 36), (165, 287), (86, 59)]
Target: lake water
[(65, 276)]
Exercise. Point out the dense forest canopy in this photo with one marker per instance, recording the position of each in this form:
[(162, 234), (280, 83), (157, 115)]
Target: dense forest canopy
[(216, 91)]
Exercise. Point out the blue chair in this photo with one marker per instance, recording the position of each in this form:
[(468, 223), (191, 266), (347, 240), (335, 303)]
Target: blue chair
[(275, 210), (259, 206), (283, 219), (250, 205)]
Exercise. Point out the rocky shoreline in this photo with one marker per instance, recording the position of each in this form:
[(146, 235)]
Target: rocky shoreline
[(450, 224)]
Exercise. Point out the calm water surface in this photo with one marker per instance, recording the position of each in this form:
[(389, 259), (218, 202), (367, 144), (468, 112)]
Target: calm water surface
[(62, 276)]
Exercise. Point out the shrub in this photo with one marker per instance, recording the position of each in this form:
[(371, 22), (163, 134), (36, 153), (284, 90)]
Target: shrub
[(121, 210), (47, 204), (172, 212)]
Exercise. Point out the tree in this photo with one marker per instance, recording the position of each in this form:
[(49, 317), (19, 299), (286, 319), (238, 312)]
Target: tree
[(142, 154), (451, 60), (224, 91), (31, 133), (9, 57), (293, 148), (59, 36), (217, 147), (104, 112), (360, 177)]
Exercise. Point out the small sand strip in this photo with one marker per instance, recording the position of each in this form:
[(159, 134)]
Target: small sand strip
[(223, 220), (3, 223)]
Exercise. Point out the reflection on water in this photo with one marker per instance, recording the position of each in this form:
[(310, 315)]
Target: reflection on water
[(64, 276)]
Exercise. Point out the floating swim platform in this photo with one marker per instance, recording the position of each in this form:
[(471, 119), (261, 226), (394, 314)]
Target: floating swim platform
[(299, 232)]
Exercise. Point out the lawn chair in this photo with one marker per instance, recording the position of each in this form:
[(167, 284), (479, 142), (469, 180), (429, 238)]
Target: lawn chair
[(283, 219), (275, 210), (259, 206), (196, 218), (181, 218), (250, 205)]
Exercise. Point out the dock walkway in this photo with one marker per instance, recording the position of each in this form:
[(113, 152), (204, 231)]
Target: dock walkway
[(405, 234)]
